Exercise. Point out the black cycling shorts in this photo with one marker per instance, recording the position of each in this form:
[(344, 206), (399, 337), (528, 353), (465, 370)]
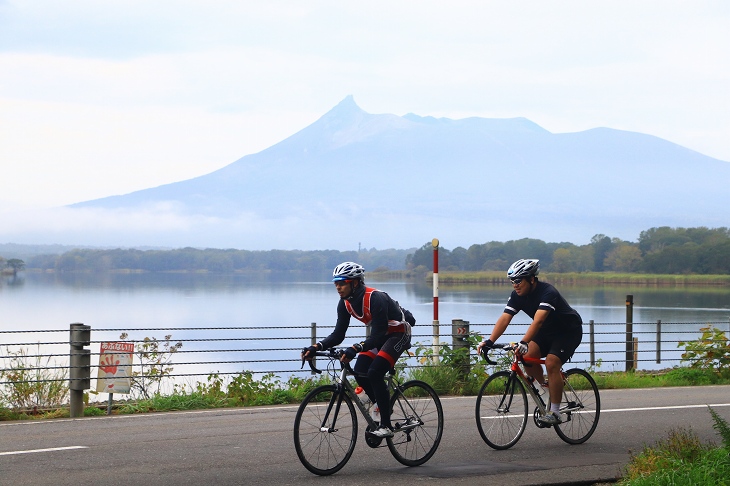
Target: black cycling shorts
[(560, 343)]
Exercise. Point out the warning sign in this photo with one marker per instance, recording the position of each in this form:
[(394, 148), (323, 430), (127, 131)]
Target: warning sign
[(115, 367)]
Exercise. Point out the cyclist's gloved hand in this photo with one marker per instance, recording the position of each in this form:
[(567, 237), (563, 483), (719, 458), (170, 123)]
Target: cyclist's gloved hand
[(308, 352), (350, 353), (485, 346), (521, 348)]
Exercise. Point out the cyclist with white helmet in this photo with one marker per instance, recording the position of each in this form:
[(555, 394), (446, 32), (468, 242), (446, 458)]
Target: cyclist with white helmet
[(554, 334), (390, 335)]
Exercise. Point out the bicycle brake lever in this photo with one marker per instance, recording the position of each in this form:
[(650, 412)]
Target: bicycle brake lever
[(314, 368), (486, 357), (311, 365)]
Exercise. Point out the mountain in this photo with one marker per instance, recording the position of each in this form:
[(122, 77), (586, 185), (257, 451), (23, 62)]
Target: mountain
[(388, 181)]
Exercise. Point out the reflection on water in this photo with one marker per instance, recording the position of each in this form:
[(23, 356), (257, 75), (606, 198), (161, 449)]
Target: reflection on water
[(284, 306)]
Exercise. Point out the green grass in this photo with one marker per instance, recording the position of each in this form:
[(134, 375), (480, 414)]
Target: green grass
[(674, 377), (681, 459)]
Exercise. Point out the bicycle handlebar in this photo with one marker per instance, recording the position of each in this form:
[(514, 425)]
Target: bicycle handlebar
[(485, 352), (333, 354)]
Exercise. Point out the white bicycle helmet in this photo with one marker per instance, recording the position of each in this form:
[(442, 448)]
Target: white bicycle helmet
[(524, 268), (348, 271)]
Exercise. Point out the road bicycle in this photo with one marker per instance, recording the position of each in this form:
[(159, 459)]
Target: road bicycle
[(325, 427), (502, 406)]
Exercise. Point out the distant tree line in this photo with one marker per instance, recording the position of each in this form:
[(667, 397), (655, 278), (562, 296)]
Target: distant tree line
[(662, 250), (659, 250), (215, 260)]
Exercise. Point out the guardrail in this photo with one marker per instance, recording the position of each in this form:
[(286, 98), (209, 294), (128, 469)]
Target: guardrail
[(201, 352)]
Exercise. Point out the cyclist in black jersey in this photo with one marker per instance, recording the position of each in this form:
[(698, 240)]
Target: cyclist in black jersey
[(390, 335), (554, 334)]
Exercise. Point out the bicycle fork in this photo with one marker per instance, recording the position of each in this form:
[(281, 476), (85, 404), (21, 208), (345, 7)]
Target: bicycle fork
[(343, 388), (336, 400)]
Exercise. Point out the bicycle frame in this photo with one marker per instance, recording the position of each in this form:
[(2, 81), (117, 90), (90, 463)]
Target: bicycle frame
[(324, 446), (517, 371), (345, 387), (527, 382), (508, 403)]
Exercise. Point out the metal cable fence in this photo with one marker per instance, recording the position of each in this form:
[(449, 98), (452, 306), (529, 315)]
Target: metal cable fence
[(276, 349)]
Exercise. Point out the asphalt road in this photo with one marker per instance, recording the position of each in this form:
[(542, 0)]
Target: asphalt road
[(254, 446)]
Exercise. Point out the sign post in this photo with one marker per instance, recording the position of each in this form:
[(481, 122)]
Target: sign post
[(436, 343), (115, 369)]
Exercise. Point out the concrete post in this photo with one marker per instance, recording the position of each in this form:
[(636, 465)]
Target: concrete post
[(79, 375), (459, 340)]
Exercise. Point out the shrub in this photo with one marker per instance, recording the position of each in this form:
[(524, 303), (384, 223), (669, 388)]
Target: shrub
[(155, 358), (458, 370), (710, 351), (35, 383)]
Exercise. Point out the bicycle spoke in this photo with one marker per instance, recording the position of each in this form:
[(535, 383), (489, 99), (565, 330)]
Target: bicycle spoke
[(581, 407), (325, 437), (418, 420), (501, 410)]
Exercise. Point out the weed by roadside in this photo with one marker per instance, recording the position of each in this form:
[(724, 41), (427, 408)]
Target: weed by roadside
[(681, 459), (34, 382)]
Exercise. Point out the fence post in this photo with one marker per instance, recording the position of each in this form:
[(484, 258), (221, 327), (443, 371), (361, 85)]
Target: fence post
[(635, 352), (459, 340), (314, 341), (591, 326), (659, 341), (630, 365), (79, 375)]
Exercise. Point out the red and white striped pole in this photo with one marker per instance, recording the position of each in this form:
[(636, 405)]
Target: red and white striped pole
[(435, 244)]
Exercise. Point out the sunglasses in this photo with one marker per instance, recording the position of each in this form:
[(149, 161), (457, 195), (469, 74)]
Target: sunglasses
[(516, 281)]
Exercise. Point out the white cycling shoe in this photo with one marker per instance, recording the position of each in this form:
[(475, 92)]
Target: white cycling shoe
[(382, 432), (550, 418)]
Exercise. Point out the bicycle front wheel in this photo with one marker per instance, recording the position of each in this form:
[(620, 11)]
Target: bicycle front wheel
[(325, 430), (501, 410), (418, 420), (581, 407)]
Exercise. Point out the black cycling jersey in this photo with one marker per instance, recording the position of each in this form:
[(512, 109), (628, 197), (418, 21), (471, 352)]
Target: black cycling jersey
[(382, 308), (544, 296)]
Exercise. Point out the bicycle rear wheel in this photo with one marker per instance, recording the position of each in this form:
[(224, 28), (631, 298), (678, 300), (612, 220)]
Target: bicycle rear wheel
[(418, 420), (325, 431), (581, 407), (501, 410)]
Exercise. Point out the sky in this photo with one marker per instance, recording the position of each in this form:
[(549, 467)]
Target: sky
[(99, 97)]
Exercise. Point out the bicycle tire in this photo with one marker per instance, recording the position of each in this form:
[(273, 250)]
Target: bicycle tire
[(418, 420), (501, 410), (325, 452), (581, 407)]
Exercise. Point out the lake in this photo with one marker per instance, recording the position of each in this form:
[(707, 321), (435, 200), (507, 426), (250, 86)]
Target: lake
[(272, 316)]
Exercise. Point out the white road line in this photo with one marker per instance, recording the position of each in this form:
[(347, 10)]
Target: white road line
[(32, 451), (638, 409)]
